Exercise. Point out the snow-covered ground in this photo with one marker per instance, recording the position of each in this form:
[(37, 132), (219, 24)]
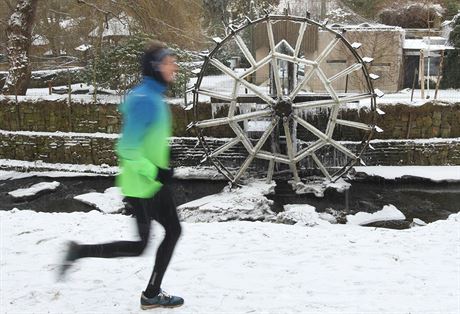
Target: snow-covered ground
[(234, 267), (313, 266)]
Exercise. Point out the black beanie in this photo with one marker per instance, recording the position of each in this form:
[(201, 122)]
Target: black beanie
[(151, 61)]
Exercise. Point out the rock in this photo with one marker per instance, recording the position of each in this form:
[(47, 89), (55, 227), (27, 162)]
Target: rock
[(34, 191), (417, 223), (390, 224)]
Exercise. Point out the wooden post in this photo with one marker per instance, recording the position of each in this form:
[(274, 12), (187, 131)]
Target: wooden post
[(422, 75), (69, 83), (346, 84), (438, 80), (413, 84), (323, 9)]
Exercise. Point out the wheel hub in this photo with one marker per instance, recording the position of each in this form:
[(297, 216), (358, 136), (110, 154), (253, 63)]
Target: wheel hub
[(283, 107)]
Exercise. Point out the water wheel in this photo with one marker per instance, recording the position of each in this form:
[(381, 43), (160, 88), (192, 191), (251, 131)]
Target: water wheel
[(291, 70)]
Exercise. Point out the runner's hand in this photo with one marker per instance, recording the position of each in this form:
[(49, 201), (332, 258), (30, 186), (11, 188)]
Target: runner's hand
[(165, 175)]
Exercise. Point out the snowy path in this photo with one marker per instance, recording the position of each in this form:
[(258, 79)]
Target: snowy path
[(235, 267)]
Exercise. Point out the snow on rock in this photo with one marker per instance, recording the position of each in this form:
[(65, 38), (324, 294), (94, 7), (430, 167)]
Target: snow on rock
[(111, 201), (388, 212), (318, 188), (242, 203), (417, 223), (301, 214), (340, 185), (34, 189), (190, 173)]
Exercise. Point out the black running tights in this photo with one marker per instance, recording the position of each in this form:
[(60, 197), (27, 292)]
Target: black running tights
[(161, 208)]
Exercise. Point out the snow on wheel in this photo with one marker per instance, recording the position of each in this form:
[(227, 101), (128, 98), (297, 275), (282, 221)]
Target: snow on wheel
[(291, 70)]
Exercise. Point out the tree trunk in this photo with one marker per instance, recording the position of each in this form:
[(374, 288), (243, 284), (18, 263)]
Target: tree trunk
[(19, 40)]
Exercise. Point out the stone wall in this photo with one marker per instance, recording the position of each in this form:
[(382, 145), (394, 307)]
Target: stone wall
[(186, 151), (85, 133), (56, 115), (398, 122)]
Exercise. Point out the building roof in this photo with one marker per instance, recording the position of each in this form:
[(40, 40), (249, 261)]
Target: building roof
[(366, 27), (39, 40), (116, 26), (427, 44)]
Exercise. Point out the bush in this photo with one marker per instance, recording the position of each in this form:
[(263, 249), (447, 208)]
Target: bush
[(451, 68), (117, 67)]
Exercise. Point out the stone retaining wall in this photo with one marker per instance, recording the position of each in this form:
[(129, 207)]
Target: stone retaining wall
[(85, 133), (96, 150), (398, 122)]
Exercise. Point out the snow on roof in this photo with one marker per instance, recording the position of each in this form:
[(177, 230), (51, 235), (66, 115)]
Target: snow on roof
[(70, 22), (51, 53), (39, 40), (83, 47), (116, 26), (425, 44), (56, 71), (367, 27), (447, 22), (335, 10)]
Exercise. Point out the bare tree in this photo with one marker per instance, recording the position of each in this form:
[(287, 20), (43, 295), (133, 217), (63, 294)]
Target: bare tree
[(19, 40)]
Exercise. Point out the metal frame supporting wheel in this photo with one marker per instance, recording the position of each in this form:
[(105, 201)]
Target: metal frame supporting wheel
[(282, 110)]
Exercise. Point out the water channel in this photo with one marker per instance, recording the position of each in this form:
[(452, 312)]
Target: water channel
[(416, 198)]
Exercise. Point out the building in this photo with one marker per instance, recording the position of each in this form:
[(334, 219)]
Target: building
[(433, 49), (381, 42), (116, 30)]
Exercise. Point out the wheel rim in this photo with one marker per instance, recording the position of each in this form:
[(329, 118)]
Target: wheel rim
[(281, 109)]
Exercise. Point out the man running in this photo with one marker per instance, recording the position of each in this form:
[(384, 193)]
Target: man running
[(143, 154)]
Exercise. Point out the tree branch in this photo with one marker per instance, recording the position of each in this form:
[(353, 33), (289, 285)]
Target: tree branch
[(59, 12), (94, 6), (8, 3)]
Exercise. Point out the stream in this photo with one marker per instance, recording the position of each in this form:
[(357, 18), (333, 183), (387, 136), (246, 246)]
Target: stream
[(416, 198)]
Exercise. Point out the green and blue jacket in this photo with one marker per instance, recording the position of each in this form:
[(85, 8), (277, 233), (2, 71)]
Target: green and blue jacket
[(144, 143)]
